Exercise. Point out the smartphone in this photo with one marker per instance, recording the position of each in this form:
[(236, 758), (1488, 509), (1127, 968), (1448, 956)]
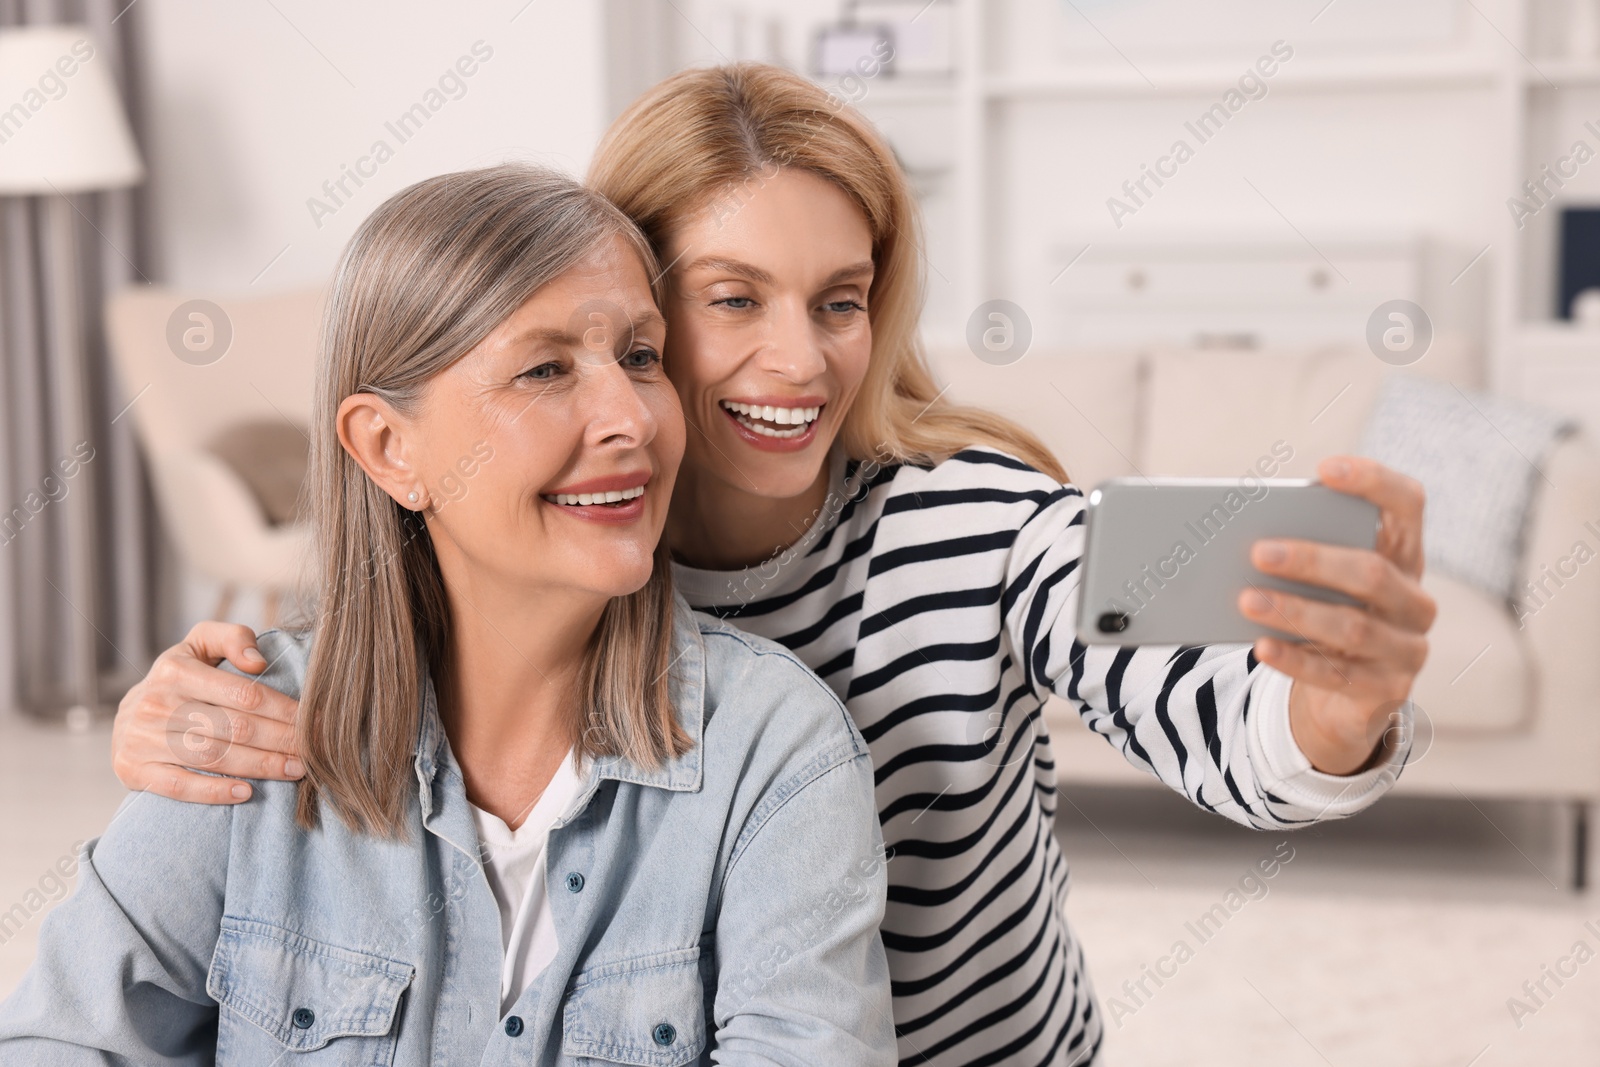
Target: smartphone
[(1166, 558)]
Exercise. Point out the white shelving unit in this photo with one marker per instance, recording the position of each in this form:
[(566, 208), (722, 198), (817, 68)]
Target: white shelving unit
[(1541, 357), (1388, 72), (992, 91)]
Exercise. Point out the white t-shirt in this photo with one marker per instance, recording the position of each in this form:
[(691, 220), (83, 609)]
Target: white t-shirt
[(514, 861)]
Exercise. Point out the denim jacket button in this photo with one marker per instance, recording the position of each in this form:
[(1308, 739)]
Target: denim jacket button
[(513, 1026), (664, 1034), (303, 1018), (574, 882)]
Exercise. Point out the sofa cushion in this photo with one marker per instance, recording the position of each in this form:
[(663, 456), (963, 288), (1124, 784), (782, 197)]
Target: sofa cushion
[(1478, 676), (1085, 406)]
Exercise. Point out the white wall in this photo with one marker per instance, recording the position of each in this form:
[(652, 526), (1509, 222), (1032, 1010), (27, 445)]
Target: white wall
[(253, 106)]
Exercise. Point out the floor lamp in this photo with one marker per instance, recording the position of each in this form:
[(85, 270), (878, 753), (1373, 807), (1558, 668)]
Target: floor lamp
[(63, 131)]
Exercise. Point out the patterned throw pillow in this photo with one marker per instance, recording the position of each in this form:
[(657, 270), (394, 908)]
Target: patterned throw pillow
[(1480, 458)]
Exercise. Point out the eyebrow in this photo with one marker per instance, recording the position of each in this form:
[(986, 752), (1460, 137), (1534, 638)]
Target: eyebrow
[(760, 277), (731, 266), (853, 271)]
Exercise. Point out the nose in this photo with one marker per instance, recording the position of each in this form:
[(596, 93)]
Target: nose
[(616, 408), (792, 347)]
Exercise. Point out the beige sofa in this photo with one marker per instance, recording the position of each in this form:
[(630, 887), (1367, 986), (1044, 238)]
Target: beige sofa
[(1515, 712)]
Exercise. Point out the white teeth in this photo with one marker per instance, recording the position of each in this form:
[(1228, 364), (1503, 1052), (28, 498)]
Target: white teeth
[(768, 432), (614, 496), (767, 413)]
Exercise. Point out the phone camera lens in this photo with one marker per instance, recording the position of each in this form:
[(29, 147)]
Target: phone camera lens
[(1112, 622)]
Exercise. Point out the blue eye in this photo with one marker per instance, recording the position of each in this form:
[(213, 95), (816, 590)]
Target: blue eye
[(844, 307), (641, 358), (737, 303), (542, 373)]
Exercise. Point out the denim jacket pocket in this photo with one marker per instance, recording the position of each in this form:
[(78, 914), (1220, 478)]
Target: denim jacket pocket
[(303, 994), (648, 1011)]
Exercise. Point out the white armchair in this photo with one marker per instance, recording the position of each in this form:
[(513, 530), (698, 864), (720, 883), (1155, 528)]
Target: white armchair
[(179, 407)]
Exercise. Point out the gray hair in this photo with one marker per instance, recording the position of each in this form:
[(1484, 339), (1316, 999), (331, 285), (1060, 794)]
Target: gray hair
[(436, 269)]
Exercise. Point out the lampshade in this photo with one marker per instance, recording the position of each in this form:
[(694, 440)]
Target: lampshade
[(62, 127)]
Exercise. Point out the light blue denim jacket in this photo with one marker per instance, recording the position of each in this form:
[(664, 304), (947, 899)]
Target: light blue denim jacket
[(722, 908)]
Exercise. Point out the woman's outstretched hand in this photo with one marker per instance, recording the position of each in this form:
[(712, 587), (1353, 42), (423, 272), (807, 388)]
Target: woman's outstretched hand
[(187, 714), (1356, 663)]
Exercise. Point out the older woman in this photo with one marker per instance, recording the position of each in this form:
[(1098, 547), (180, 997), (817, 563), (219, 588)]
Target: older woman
[(549, 815)]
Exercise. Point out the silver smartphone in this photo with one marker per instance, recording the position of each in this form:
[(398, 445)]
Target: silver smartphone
[(1166, 558)]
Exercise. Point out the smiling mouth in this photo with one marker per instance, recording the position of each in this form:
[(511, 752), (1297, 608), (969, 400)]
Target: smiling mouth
[(768, 421), (610, 499)]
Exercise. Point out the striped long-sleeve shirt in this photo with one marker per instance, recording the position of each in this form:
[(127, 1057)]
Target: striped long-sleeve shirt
[(938, 602)]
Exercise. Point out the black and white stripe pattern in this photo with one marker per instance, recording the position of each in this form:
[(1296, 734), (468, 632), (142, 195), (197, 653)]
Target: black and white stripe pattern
[(938, 603)]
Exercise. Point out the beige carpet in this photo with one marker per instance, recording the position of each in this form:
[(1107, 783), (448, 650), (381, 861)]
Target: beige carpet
[(1308, 978), (55, 788), (1393, 940)]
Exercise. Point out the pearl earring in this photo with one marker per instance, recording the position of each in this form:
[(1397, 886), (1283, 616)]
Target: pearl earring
[(412, 496)]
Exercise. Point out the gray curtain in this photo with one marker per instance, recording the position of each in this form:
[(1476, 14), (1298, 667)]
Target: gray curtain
[(134, 604)]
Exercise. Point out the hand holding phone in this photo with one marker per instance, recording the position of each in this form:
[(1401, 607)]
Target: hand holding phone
[(1165, 559), (1352, 657)]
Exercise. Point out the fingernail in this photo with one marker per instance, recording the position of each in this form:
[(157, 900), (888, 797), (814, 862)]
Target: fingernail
[(241, 792), (1273, 552), (254, 656), (1257, 602), (293, 768)]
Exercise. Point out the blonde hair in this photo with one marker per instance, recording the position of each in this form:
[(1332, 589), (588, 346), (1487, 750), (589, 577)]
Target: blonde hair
[(706, 132), (427, 277)]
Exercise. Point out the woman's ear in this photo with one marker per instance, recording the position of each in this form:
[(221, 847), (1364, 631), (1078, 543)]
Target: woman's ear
[(374, 435)]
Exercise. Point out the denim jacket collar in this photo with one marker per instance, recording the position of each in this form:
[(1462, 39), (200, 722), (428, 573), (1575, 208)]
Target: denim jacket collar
[(686, 684)]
